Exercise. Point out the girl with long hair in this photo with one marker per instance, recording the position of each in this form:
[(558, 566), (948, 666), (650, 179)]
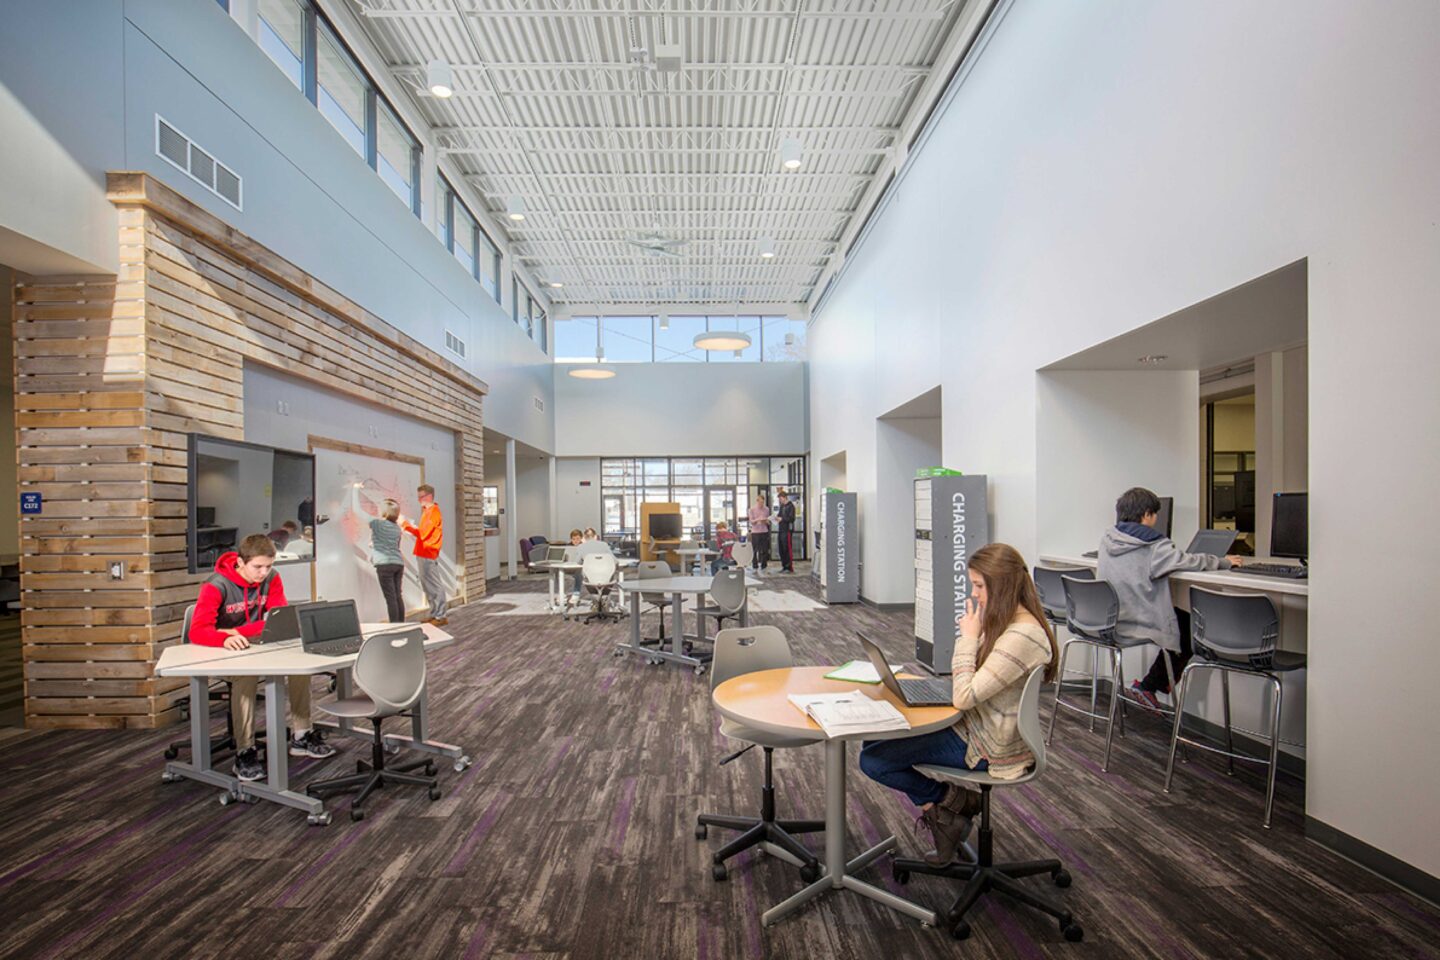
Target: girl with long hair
[(1003, 637)]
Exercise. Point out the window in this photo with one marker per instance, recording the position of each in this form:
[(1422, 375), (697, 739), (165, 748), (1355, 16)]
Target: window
[(442, 211), (488, 255), (396, 155), (342, 90), (490, 507), (678, 343), (627, 339), (744, 324), (575, 339), (463, 227), (784, 339), (282, 37)]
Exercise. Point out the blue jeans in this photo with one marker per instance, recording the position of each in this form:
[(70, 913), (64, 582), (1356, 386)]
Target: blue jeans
[(893, 762)]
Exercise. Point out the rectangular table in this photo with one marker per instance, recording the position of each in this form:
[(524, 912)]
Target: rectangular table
[(678, 588), (274, 664)]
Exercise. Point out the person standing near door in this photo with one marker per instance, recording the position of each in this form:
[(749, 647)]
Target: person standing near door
[(760, 532), (428, 538), (787, 529)]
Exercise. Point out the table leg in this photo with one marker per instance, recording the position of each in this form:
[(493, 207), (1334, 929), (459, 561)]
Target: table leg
[(276, 787), (838, 873), (419, 738), (200, 768), (745, 610), (635, 621), (677, 635)]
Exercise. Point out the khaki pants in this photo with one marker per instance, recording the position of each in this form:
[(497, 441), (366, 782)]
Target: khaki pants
[(242, 708)]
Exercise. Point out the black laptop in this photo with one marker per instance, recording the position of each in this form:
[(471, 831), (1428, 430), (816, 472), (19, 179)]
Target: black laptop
[(929, 692), (281, 625), (330, 628)]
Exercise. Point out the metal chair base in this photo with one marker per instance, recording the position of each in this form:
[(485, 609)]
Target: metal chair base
[(775, 836), (369, 777)]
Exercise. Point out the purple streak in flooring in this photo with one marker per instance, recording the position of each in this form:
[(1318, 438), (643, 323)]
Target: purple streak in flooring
[(621, 822), (1061, 850), (479, 941), (999, 914), (483, 826), (356, 832)]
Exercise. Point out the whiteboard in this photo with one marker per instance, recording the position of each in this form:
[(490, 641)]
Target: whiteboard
[(350, 489)]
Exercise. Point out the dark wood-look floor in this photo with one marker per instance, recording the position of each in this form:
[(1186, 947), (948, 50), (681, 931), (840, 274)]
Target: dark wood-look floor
[(571, 837)]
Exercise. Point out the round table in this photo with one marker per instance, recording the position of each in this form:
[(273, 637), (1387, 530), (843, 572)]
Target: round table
[(699, 553), (558, 569), (678, 588), (759, 700)]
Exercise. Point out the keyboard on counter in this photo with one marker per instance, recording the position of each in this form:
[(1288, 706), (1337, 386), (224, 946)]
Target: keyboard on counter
[(1283, 571), (336, 648)]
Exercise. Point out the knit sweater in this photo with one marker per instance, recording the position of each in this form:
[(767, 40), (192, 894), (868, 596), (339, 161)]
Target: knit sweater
[(989, 697)]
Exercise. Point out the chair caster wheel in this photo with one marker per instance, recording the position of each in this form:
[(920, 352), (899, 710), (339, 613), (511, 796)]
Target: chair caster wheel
[(357, 814), (249, 798), (320, 819), (171, 753), (701, 831), (391, 747), (434, 793), (700, 670), (961, 931), (430, 768), (226, 799), (902, 877), (810, 872), (462, 764), (1073, 932), (718, 871), (168, 777), (1061, 878)]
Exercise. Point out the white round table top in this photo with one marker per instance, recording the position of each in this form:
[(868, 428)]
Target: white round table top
[(679, 584), (568, 565), (760, 700), (702, 551)]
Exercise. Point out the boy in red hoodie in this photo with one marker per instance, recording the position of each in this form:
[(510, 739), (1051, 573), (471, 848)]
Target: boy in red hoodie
[(230, 610)]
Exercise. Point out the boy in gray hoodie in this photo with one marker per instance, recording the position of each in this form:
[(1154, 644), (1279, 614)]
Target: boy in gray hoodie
[(1137, 560)]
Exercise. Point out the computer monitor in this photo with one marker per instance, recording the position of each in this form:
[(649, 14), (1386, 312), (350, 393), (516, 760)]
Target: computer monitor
[(1290, 526), (1162, 523), (323, 622), (664, 526)]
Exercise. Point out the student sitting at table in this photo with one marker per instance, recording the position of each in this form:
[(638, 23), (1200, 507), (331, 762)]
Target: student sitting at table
[(1137, 560), (725, 540), (1003, 637), (230, 610)]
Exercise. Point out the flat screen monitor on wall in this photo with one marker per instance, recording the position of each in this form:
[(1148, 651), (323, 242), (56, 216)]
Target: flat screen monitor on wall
[(664, 526), (1290, 526), (237, 488)]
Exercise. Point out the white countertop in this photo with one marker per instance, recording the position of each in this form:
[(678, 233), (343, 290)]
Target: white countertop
[(1210, 578), (272, 660)]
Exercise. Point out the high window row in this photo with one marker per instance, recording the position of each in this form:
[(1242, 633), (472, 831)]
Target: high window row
[(671, 339)]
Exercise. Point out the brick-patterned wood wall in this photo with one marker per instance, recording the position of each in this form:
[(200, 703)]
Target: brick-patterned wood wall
[(113, 374)]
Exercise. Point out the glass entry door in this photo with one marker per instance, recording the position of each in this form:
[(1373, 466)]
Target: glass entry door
[(719, 505)]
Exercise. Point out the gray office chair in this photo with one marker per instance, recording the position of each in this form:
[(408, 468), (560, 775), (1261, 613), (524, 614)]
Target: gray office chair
[(743, 553), (985, 874), (1051, 587), (1092, 613), (390, 677), (1235, 633), (654, 570), (740, 651), (727, 590), (219, 692), (600, 572)]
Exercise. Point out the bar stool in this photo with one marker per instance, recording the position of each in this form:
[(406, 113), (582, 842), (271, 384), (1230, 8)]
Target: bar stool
[(1235, 633), (1051, 587), (1092, 615)]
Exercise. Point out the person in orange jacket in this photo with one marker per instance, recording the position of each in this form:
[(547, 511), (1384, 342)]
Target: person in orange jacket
[(428, 538)]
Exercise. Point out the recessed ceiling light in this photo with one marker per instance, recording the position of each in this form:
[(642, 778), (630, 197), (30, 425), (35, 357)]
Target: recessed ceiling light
[(1154, 358), (790, 153), (515, 209), (767, 247), (439, 78), (556, 284), (722, 340)]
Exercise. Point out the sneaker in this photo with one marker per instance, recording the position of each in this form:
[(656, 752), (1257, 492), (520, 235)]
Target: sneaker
[(1145, 697), (311, 744), (248, 767)]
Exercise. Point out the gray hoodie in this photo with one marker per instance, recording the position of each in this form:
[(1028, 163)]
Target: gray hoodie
[(1139, 570)]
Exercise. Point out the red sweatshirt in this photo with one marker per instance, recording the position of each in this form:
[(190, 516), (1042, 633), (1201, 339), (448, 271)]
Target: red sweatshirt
[(230, 602)]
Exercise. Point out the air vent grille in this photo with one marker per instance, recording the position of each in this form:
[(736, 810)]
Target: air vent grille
[(454, 344), (176, 148)]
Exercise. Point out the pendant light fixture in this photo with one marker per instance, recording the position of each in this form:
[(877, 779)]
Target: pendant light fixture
[(439, 78), (515, 209), (722, 340), (790, 154), (596, 370)]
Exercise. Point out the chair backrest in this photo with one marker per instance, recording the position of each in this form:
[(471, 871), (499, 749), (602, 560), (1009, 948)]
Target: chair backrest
[(390, 669), (539, 540), (1029, 719), (189, 619), (1052, 588), (1091, 608), (743, 553), (747, 649), (653, 570), (1242, 627), (728, 589), (599, 569), (525, 550)]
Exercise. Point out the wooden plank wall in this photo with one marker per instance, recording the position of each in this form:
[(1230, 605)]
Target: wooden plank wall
[(114, 375)]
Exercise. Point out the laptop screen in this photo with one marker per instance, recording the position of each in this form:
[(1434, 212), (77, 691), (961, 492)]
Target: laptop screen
[(1217, 543), (555, 554), (322, 622)]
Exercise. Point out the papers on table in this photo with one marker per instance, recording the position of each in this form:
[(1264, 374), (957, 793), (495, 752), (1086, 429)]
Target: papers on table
[(849, 713), (859, 671)]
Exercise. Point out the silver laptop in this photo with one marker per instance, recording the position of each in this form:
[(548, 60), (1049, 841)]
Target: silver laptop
[(555, 554), (929, 692)]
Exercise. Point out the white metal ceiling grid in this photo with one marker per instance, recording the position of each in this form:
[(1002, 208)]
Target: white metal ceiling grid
[(603, 151)]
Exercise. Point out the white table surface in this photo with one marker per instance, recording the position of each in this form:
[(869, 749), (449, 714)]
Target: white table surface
[(268, 660), (681, 584), (1210, 578)]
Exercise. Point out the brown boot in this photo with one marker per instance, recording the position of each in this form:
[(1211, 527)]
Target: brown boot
[(949, 822)]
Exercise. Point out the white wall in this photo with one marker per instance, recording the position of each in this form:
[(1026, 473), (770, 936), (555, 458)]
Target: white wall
[(1106, 164), (887, 529), (682, 409), (307, 194), (9, 484), (532, 507), (1099, 433), (577, 506)]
